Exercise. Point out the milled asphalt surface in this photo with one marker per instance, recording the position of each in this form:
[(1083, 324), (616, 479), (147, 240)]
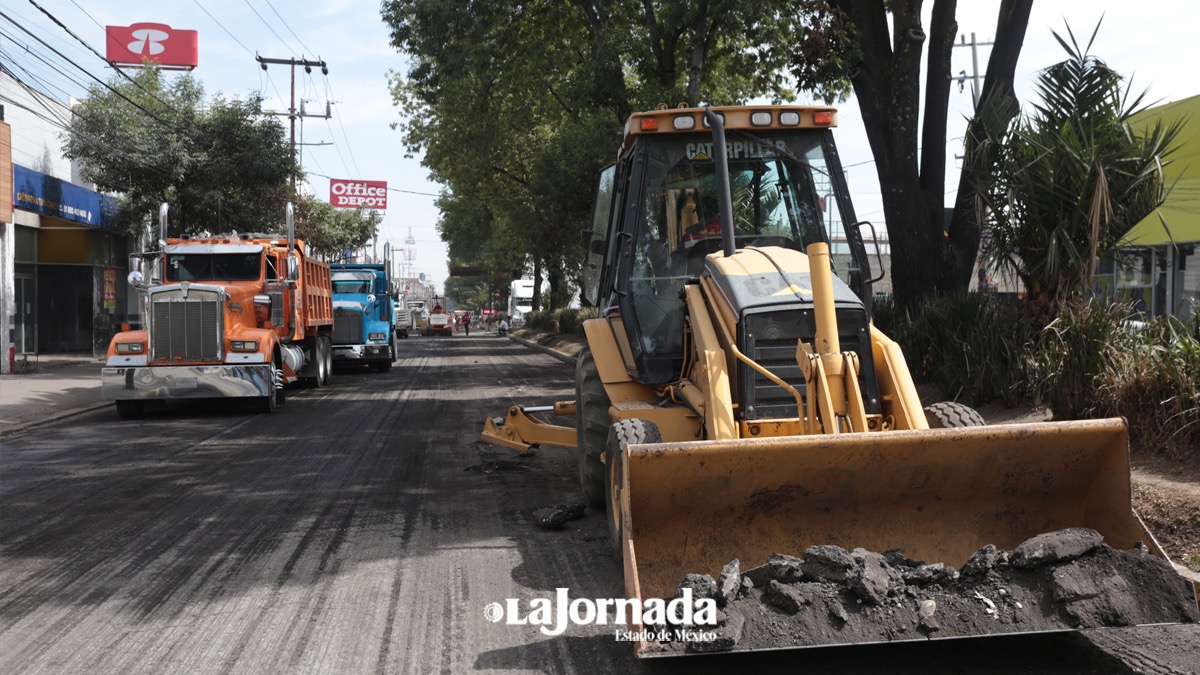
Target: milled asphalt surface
[(65, 385)]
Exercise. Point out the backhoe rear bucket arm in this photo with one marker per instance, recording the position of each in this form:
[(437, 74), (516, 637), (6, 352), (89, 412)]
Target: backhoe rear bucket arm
[(520, 431)]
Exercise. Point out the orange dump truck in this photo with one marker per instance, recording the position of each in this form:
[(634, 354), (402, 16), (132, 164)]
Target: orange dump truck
[(237, 316)]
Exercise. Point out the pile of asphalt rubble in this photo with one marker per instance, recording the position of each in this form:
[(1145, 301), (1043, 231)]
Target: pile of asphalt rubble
[(1061, 580)]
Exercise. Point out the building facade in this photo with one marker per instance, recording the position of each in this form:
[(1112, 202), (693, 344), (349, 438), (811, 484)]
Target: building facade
[(62, 264)]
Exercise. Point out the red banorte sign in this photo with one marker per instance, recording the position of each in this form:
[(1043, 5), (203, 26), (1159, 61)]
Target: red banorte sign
[(358, 194), (157, 42)]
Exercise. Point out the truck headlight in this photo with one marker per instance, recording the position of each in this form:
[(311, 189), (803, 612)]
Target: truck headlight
[(129, 348), (377, 337), (243, 345)]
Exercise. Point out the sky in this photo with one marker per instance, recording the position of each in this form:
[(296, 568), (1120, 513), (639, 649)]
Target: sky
[(1149, 41)]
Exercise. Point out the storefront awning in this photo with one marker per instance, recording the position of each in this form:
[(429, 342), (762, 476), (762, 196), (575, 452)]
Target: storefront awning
[(50, 196)]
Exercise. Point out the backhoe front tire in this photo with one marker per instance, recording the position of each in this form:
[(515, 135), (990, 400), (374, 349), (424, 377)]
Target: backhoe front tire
[(591, 429), (952, 415), (621, 434)]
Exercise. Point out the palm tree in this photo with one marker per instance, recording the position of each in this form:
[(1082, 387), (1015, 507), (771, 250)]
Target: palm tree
[(1073, 178), (476, 297)]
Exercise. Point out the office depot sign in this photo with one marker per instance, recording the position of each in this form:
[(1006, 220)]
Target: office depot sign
[(358, 194)]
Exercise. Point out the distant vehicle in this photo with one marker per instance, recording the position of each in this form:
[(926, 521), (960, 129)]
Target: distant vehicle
[(406, 318), (439, 321), (520, 300)]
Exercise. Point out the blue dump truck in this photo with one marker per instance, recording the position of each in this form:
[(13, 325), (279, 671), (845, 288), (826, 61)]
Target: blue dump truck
[(363, 316)]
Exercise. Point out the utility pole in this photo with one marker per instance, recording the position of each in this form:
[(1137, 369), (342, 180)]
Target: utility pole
[(976, 85), (292, 113)]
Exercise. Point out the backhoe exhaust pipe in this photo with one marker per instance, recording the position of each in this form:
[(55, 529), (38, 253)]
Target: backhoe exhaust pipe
[(724, 196)]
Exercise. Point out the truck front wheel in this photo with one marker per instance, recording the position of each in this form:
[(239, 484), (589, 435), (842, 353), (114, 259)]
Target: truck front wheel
[(268, 403)]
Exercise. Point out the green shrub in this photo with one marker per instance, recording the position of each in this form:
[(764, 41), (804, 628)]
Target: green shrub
[(972, 346), (540, 320), (568, 321), (1076, 349), (1154, 386)]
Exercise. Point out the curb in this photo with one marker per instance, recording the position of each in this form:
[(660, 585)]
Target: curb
[(565, 358), (56, 417)]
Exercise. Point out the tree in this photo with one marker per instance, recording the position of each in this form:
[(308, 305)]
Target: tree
[(329, 231), (1073, 178), (516, 106), (220, 164), (854, 40)]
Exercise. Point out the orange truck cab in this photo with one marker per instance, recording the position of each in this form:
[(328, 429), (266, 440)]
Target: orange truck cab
[(236, 316)]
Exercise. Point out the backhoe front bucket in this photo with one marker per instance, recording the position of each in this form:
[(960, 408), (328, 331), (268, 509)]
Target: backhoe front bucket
[(940, 495)]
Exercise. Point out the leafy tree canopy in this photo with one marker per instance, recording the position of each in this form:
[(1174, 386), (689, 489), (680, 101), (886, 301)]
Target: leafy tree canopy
[(220, 164), (329, 231), (517, 105)]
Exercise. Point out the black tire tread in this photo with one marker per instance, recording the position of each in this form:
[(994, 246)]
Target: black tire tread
[(625, 432), (591, 429), (952, 415)]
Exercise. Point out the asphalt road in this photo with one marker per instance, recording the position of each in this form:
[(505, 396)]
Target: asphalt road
[(362, 528)]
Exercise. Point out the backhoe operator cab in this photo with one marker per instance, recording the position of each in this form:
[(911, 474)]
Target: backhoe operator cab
[(662, 221)]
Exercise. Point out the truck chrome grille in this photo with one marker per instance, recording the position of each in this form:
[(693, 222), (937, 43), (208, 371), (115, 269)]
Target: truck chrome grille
[(347, 327), (185, 329)]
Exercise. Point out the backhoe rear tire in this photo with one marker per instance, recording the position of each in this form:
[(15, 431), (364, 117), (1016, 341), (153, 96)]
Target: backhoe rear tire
[(591, 429), (621, 434), (952, 415)]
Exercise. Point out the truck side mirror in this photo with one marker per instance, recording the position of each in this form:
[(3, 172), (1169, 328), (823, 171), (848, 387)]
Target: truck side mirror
[(293, 267)]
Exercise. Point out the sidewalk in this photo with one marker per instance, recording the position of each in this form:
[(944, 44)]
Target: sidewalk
[(61, 385)]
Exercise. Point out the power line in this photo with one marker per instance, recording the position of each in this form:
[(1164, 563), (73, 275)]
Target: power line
[(231, 35), (285, 25), (59, 122), (85, 13), (86, 72), (30, 51), (391, 189), (329, 89), (264, 21), (120, 72)]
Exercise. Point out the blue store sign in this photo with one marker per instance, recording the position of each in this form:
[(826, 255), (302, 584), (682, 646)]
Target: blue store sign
[(35, 191)]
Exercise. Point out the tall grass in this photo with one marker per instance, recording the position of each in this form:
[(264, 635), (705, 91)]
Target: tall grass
[(1086, 341), (1093, 360), (1154, 385), (972, 347)]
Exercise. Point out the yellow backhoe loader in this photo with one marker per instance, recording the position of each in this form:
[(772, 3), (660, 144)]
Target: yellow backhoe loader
[(735, 400)]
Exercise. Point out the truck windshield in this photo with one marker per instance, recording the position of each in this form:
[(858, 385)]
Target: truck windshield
[(352, 286), (214, 267)]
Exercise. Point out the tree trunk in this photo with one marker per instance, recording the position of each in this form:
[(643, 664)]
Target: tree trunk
[(997, 107), (887, 84), (699, 54)]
